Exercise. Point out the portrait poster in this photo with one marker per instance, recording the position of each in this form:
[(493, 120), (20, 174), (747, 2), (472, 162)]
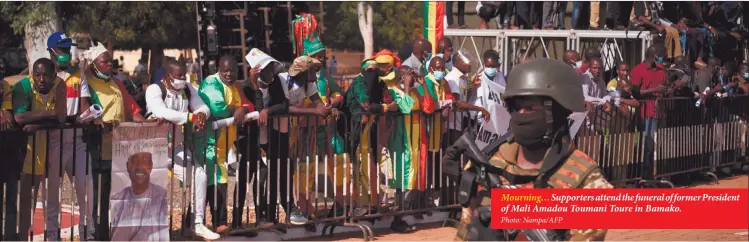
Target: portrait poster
[(138, 199)]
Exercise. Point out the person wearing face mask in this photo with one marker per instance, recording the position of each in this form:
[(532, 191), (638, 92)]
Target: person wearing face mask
[(490, 71), (176, 101), (572, 58), (416, 128), (404, 167), (422, 51), (307, 37), (743, 78), (35, 102), (364, 94), (649, 80), (117, 106), (285, 93), (58, 46), (438, 89), (537, 153), (306, 30), (445, 50)]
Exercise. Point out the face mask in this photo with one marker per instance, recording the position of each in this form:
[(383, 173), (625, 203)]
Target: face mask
[(529, 129), (439, 75), (746, 75), (178, 84), (490, 72), (659, 61), (63, 59), (428, 57), (380, 72), (449, 65), (100, 74)]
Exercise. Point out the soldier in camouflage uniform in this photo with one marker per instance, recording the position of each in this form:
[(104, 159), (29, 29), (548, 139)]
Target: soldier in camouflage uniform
[(537, 152)]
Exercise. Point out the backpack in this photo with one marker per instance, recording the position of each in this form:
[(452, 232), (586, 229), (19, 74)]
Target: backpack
[(163, 90)]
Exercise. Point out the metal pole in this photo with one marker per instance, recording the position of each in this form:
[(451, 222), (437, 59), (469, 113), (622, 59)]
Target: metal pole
[(197, 19), (267, 29), (322, 18), (288, 13)]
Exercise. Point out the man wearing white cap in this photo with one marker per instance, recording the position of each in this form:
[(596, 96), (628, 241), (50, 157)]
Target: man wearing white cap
[(284, 93), (117, 106)]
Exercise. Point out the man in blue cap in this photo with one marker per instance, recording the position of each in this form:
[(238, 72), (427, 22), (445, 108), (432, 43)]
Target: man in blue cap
[(59, 45)]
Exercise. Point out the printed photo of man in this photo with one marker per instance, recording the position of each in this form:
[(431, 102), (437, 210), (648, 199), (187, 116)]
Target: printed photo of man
[(139, 211)]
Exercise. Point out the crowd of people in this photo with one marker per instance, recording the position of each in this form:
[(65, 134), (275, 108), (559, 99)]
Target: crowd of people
[(696, 30), (443, 86)]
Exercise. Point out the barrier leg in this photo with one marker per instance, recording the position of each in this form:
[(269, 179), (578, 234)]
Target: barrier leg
[(654, 183), (713, 175)]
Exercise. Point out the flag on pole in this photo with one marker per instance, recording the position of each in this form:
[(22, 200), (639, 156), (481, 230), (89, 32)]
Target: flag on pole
[(434, 22)]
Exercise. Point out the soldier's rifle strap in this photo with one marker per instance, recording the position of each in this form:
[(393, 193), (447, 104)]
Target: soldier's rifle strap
[(557, 154)]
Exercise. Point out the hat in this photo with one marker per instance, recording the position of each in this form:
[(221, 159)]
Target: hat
[(302, 64), (59, 40), (94, 52), (258, 57), (306, 37), (367, 63), (387, 56)]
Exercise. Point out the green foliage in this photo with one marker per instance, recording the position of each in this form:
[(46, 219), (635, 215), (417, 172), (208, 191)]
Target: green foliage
[(129, 25), (405, 23), (18, 14)]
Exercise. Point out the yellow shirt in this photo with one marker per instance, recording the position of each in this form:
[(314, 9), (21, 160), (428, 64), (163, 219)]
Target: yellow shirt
[(613, 84), (7, 96), (36, 148), (233, 100), (113, 105)]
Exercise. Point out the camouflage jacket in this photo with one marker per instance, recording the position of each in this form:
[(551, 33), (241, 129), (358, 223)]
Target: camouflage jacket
[(578, 171)]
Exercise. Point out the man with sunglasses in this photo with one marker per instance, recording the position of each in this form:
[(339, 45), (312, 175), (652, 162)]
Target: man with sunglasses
[(537, 153)]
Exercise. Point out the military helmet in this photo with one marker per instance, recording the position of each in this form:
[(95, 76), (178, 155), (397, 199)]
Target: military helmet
[(550, 78)]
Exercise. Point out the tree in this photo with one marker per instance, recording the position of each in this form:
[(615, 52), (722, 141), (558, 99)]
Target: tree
[(393, 23), (150, 26), (36, 20), (364, 12)]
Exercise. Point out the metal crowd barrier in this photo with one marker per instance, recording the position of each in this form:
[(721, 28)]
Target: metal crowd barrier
[(350, 173), (688, 139)]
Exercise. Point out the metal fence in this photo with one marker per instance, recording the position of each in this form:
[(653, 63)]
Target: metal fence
[(351, 172)]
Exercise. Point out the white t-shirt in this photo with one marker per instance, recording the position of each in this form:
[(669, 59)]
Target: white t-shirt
[(480, 93), (458, 85), (140, 217)]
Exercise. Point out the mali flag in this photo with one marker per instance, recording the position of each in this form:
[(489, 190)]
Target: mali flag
[(434, 22)]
